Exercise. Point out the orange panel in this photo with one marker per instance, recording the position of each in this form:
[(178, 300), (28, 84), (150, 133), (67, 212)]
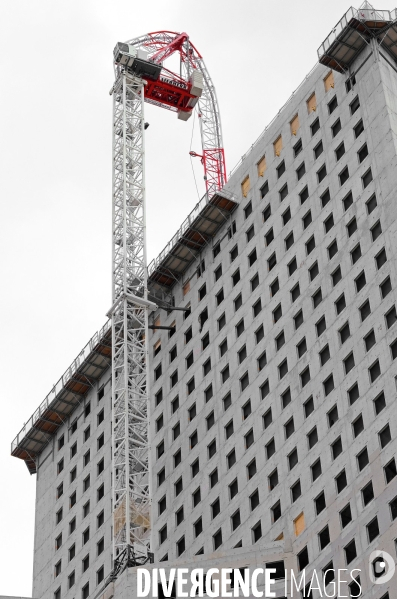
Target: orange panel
[(294, 125), (186, 288), (245, 186), (329, 82), (299, 524), (261, 166), (311, 103), (278, 146)]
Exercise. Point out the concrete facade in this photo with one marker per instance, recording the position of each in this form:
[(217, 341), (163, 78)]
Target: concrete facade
[(284, 438), (306, 411)]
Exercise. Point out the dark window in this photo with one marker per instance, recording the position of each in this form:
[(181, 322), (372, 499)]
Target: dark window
[(329, 385), (343, 176), (217, 539), (349, 363), (312, 437), (259, 334), (295, 292), (321, 173), (286, 216), (274, 287), (308, 407), (360, 281), (283, 192), (307, 219), (316, 469), (238, 302), (321, 326), (298, 319), (289, 428), (332, 105), (374, 371), (254, 282), (350, 551), (304, 194), (293, 459), (329, 223), (317, 298), (270, 448), (384, 436), (272, 261), (296, 491), (341, 481), (340, 304), (381, 259), (362, 153), (367, 493), (193, 440), (365, 310), (318, 150), (303, 559), (336, 448), (367, 178), (336, 276), (324, 355), (352, 227), (358, 129), (302, 347), (286, 398), (231, 458), (345, 516), (305, 377), (269, 236), (280, 169), (252, 257), (385, 287), (297, 148), (273, 480), (371, 204), (379, 403), (300, 171), (336, 127), (289, 240), (283, 368), (369, 340), (390, 470), (315, 126), (320, 503), (356, 253), (332, 249), (292, 266), (248, 210), (323, 537), (355, 105), (340, 150), (264, 189), (266, 213), (264, 389), (262, 361), (325, 198), (347, 201), (276, 512)]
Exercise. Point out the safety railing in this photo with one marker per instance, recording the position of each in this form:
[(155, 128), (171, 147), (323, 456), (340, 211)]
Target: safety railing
[(185, 226), (57, 388)]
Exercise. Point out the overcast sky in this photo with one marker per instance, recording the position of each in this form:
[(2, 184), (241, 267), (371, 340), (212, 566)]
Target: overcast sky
[(56, 71)]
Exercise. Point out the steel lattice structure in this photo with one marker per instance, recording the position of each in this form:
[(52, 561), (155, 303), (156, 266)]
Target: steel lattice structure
[(131, 497), (161, 45), (130, 386)]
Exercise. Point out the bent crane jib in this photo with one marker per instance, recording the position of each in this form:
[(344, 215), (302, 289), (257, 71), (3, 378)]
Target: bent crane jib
[(145, 58)]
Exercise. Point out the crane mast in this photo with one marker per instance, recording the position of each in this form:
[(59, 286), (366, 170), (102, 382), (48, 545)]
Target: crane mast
[(131, 497), (141, 76)]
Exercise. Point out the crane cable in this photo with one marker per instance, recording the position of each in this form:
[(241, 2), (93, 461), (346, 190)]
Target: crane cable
[(191, 161)]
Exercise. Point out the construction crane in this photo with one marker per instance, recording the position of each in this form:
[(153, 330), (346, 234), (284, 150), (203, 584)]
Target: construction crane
[(141, 76)]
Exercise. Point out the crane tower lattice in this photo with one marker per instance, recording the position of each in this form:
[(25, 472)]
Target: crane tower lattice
[(140, 75)]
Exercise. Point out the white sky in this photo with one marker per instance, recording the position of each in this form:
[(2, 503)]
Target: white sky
[(55, 149)]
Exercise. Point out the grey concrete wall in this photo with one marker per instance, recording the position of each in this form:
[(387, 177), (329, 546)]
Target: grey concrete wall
[(376, 89), (46, 556)]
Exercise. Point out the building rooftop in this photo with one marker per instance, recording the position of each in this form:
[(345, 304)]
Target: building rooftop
[(353, 33), (63, 398), (206, 218)]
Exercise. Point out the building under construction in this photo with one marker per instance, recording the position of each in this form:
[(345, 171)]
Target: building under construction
[(263, 341)]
